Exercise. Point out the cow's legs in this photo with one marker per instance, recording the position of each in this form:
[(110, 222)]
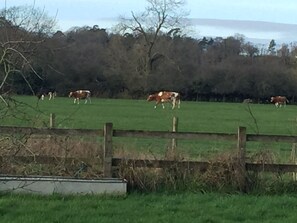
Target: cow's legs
[(178, 102), (50, 94), (88, 99), (173, 102)]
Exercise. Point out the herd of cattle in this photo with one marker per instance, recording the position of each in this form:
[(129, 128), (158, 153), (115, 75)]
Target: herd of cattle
[(278, 101), (77, 95), (159, 97)]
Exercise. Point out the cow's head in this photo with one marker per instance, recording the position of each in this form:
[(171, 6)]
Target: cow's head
[(272, 99), (70, 94), (151, 97)]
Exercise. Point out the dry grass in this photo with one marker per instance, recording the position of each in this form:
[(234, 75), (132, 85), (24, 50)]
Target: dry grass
[(83, 158), (225, 171), (51, 155)]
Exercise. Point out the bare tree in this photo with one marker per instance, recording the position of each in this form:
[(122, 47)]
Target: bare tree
[(21, 30), (29, 18), (160, 17), (250, 50)]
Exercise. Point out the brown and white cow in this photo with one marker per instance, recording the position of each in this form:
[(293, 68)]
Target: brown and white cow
[(80, 94), (165, 96), (279, 101)]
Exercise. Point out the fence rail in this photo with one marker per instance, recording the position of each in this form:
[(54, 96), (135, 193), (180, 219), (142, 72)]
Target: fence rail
[(40, 159), (49, 131), (110, 162), (148, 134)]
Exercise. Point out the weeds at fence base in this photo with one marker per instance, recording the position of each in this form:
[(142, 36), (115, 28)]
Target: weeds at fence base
[(220, 176), (50, 156)]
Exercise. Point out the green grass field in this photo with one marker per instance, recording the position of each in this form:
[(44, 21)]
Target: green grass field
[(140, 115), (168, 207), (182, 207)]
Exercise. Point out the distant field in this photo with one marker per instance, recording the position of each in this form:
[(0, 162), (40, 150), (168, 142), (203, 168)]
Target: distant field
[(140, 115)]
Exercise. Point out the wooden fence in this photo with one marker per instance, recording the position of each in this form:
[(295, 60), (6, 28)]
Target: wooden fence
[(108, 133)]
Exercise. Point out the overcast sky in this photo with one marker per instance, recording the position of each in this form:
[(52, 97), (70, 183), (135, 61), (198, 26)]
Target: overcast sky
[(255, 19)]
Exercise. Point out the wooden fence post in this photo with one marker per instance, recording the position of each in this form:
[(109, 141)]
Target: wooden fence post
[(293, 157), (241, 144), (174, 129), (52, 120), (107, 147)]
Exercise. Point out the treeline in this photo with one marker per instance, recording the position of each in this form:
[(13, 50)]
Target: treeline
[(116, 66)]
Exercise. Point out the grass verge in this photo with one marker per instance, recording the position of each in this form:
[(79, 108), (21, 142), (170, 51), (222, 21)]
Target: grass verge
[(156, 207)]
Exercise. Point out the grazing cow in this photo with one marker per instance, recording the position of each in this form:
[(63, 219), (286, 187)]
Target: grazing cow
[(279, 101), (165, 96), (44, 92), (80, 94), (247, 101)]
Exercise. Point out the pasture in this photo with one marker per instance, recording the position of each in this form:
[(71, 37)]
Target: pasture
[(141, 115)]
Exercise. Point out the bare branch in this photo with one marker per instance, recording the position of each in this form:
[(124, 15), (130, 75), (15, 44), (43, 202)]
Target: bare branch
[(21, 30), (160, 17)]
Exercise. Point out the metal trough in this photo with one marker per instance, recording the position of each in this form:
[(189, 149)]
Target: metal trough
[(51, 185)]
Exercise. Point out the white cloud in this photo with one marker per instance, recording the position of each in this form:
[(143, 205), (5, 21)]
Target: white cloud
[(283, 33)]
